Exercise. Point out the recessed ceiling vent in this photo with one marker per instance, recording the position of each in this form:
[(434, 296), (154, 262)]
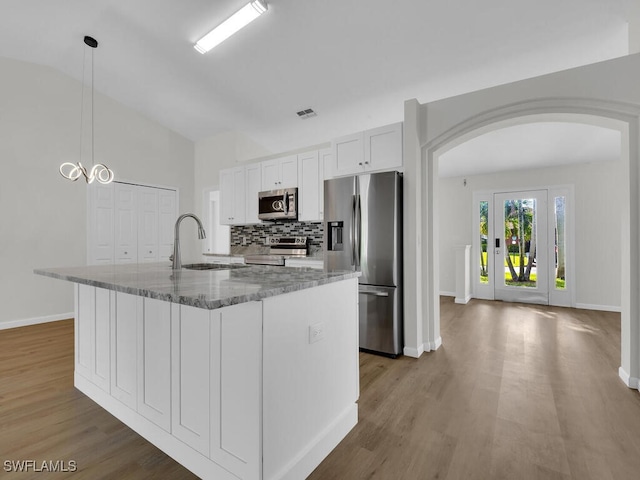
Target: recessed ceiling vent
[(308, 113)]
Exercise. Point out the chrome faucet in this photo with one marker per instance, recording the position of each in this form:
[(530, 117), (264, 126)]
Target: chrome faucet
[(177, 263)]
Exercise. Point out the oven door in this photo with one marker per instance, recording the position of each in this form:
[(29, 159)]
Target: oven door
[(278, 204)]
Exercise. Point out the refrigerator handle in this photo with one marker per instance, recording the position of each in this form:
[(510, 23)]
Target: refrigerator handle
[(354, 241), (358, 230)]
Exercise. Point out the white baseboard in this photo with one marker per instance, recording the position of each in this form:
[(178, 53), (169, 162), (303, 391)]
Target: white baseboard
[(602, 308), (425, 347), (35, 321), (628, 380), (447, 294), (463, 301), (413, 352), (309, 458), (433, 346)]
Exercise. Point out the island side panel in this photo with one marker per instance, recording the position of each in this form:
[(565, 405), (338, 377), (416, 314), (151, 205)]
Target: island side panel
[(310, 376)]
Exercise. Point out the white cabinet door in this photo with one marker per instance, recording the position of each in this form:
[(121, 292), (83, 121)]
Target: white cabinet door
[(253, 178), (190, 370), (377, 149), (92, 327), (232, 196), (148, 223), (84, 324), (383, 147), (348, 154), (167, 216), (101, 224), (289, 171), (236, 377), (308, 184), (104, 304), (154, 362), (126, 224), (325, 163), (270, 174), (280, 173), (124, 364)]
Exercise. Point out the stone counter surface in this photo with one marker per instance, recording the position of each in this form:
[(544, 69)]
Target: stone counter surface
[(207, 289)]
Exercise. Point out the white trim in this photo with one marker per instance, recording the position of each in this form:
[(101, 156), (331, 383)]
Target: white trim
[(602, 308), (447, 294), (629, 381), (313, 454), (413, 352), (433, 346), (35, 320), (463, 301)]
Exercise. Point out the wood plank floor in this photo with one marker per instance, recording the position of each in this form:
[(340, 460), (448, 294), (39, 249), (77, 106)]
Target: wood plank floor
[(515, 392)]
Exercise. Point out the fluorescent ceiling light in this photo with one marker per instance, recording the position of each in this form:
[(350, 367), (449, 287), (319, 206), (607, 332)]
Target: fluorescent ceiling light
[(235, 22)]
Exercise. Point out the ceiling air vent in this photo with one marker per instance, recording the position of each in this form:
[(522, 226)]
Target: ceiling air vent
[(308, 113)]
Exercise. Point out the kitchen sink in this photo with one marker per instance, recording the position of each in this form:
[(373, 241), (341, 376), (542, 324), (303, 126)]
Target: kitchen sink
[(212, 266)]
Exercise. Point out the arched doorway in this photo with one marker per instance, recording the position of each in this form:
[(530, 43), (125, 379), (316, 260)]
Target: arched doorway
[(625, 118)]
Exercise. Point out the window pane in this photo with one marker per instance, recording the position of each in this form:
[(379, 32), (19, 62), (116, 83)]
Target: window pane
[(560, 261), (520, 232), (484, 234)]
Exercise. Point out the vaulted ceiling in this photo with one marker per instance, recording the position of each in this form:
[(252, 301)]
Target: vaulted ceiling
[(353, 61)]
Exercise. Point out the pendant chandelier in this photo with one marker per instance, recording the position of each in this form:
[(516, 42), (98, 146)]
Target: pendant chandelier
[(98, 171)]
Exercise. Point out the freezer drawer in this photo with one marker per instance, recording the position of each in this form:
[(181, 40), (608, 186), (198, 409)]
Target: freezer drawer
[(380, 320)]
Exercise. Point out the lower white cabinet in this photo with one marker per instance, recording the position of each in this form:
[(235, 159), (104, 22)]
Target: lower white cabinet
[(92, 352), (194, 374), (217, 390), (124, 379), (154, 362)]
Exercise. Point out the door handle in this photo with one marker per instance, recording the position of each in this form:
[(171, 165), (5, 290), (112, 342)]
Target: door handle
[(375, 294)]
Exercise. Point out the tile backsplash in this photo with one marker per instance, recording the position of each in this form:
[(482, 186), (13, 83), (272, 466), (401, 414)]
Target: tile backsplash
[(255, 235)]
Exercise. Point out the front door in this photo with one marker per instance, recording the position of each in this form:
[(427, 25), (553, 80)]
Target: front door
[(520, 247)]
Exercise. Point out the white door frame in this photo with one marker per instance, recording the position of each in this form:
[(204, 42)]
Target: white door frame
[(560, 298)]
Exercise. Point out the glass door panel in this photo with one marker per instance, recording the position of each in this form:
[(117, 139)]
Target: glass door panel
[(520, 247)]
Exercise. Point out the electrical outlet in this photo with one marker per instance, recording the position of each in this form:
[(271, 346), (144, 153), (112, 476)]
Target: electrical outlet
[(245, 241), (316, 332)]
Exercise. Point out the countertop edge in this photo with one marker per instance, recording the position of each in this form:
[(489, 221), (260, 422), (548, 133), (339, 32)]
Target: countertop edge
[(199, 302)]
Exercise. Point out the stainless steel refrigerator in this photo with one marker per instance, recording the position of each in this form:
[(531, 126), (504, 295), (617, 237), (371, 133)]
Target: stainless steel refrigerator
[(363, 231)]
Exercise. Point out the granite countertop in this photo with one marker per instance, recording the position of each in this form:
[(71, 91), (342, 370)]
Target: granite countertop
[(208, 289)]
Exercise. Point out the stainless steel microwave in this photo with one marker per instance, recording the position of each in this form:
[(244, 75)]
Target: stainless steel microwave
[(278, 204)]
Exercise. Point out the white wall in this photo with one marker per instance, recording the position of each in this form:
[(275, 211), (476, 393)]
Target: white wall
[(597, 221), (216, 153), (43, 215)]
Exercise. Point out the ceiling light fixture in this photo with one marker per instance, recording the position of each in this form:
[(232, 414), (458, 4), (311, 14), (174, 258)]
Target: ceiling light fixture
[(99, 171), (235, 22)]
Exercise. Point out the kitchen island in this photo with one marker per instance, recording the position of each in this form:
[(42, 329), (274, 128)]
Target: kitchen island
[(244, 372)]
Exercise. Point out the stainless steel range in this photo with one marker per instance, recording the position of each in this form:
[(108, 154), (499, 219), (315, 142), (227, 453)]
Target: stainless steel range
[(280, 248)]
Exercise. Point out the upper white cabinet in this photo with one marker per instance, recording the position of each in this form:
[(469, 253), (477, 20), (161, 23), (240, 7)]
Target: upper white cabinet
[(130, 223), (310, 193), (253, 179), (232, 196), (348, 154), (280, 173), (373, 150)]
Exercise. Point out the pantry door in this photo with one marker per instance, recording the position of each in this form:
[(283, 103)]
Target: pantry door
[(520, 247)]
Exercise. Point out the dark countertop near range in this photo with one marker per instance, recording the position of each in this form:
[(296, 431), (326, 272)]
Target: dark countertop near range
[(208, 289)]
